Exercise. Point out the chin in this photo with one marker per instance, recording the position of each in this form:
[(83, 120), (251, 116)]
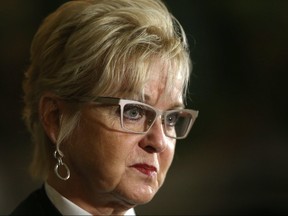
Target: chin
[(141, 196), (137, 196)]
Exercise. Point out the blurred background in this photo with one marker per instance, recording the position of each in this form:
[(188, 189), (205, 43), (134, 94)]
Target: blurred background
[(235, 158)]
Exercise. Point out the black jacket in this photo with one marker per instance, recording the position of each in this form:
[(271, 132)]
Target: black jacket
[(37, 203)]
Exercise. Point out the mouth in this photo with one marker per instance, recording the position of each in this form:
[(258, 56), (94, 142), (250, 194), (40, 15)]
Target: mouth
[(145, 169)]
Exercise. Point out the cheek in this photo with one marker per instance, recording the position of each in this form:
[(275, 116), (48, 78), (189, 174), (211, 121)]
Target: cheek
[(98, 156)]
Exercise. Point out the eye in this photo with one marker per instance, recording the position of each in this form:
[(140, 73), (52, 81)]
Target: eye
[(133, 112), (171, 119)]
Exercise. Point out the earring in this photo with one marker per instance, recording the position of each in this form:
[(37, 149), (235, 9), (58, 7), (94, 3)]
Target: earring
[(59, 155)]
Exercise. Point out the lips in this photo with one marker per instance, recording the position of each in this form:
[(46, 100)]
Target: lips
[(145, 169)]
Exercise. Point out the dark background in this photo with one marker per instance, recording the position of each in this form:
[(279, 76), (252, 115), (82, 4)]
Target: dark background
[(235, 158)]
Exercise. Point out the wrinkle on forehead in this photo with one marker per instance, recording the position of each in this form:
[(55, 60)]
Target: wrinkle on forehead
[(158, 78), (158, 85)]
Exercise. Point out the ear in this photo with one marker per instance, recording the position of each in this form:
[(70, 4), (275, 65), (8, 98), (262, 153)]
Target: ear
[(50, 110)]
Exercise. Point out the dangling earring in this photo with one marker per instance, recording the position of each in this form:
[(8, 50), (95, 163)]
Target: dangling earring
[(59, 155)]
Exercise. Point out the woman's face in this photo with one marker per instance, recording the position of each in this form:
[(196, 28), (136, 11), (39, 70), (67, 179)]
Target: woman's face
[(117, 166)]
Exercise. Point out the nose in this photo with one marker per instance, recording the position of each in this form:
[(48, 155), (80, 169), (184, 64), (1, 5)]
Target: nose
[(155, 140)]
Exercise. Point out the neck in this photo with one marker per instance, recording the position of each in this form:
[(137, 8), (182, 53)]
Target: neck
[(92, 202)]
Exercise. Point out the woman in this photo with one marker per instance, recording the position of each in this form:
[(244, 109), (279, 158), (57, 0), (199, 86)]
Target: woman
[(104, 102)]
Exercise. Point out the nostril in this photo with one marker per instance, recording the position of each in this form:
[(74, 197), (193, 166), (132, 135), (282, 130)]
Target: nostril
[(150, 149)]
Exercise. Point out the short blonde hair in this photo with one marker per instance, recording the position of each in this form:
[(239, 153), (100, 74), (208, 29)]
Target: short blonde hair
[(88, 48)]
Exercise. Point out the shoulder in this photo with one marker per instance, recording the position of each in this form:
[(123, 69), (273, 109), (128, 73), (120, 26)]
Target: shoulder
[(37, 203)]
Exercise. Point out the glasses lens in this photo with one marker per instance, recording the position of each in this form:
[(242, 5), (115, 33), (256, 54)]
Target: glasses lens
[(178, 123), (138, 117)]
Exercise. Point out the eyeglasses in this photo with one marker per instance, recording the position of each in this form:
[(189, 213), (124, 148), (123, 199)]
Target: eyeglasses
[(138, 118)]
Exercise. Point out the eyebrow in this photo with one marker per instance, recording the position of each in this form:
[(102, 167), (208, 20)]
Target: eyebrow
[(147, 98)]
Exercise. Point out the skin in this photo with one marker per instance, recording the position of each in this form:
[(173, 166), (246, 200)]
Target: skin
[(101, 160)]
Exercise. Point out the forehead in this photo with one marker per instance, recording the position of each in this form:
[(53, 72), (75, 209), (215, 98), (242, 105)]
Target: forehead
[(159, 86), (147, 81)]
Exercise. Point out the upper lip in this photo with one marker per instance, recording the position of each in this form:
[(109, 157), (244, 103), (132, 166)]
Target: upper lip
[(145, 166)]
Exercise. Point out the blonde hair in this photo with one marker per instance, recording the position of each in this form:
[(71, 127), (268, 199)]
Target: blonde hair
[(99, 47)]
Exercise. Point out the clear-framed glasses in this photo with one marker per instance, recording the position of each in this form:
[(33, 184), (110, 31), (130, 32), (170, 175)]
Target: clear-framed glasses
[(137, 117)]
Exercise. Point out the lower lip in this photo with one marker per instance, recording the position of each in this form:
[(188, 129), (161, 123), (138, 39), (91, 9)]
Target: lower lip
[(145, 171)]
